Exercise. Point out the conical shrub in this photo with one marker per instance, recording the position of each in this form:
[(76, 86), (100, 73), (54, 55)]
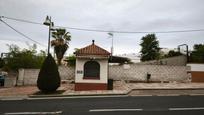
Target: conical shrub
[(48, 78)]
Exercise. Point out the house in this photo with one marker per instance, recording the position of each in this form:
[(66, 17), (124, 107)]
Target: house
[(91, 72), (197, 72)]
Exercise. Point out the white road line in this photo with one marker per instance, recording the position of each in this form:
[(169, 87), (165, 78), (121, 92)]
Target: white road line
[(11, 99), (196, 94), (183, 109), (141, 95), (34, 113), (168, 95), (139, 109), (108, 110)]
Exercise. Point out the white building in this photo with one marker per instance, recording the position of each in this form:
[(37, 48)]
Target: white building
[(91, 71)]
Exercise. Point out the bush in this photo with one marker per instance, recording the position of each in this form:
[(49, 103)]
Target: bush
[(173, 53), (71, 60), (48, 78)]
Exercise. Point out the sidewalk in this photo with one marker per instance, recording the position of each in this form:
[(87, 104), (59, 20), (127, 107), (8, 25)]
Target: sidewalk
[(120, 88), (166, 85)]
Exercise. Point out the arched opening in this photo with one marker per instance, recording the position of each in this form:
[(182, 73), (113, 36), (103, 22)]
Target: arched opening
[(92, 70)]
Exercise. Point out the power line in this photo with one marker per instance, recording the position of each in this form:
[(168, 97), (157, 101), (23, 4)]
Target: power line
[(99, 30), (134, 32), (21, 20), (21, 33)]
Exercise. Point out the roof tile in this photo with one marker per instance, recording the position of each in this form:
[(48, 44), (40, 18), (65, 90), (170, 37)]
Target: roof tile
[(92, 50)]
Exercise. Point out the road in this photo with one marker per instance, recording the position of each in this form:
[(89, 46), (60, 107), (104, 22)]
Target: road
[(137, 105)]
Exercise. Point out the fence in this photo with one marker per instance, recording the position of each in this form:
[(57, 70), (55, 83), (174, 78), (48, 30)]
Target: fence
[(133, 72), (29, 76)]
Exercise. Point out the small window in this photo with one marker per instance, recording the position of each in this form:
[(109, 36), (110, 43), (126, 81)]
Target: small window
[(91, 70)]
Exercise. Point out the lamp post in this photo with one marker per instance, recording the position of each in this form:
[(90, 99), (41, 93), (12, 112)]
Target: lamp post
[(111, 35), (186, 50), (49, 23)]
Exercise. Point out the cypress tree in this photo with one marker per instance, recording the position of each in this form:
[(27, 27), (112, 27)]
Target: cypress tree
[(48, 78)]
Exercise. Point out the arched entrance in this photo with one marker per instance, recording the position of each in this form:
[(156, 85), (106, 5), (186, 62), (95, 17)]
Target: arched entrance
[(92, 70)]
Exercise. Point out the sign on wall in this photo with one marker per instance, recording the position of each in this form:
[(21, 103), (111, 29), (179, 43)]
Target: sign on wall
[(79, 72)]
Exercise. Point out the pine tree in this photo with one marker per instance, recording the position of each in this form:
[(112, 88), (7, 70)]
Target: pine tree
[(150, 48)]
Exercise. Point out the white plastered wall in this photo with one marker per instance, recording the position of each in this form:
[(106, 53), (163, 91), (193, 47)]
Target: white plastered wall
[(79, 71), (196, 67)]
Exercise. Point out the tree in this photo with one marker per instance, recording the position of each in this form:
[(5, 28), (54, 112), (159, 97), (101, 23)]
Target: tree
[(26, 58), (61, 43), (173, 53), (71, 60), (197, 54), (118, 59), (150, 48), (2, 63), (48, 78)]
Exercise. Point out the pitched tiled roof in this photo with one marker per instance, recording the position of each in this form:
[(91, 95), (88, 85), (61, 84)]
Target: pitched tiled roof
[(92, 50)]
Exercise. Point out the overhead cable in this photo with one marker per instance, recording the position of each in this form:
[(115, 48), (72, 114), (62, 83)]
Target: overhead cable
[(22, 34), (107, 31)]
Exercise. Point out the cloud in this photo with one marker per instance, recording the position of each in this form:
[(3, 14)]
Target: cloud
[(120, 15)]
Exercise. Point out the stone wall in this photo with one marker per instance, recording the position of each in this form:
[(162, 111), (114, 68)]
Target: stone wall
[(29, 76), (175, 61), (132, 72)]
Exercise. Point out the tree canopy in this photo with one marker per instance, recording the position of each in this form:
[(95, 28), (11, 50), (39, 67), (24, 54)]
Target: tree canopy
[(197, 55), (25, 58), (172, 53), (60, 43), (150, 47)]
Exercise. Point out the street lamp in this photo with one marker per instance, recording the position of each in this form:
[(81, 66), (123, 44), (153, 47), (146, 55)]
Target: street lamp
[(186, 50), (49, 23), (111, 35)]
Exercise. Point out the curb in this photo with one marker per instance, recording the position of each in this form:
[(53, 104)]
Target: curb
[(167, 89), (81, 95), (44, 96)]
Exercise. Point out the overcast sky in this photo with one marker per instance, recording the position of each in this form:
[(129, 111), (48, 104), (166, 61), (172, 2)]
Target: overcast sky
[(111, 15)]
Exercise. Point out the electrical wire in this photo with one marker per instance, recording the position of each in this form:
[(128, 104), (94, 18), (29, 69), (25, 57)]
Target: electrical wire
[(107, 31), (22, 34), (21, 20)]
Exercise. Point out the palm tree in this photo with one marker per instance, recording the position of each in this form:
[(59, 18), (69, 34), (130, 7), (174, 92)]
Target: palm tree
[(60, 43)]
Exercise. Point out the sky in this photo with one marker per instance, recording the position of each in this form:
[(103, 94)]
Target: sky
[(108, 15)]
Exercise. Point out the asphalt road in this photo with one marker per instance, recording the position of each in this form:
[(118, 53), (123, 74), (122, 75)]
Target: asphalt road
[(149, 105)]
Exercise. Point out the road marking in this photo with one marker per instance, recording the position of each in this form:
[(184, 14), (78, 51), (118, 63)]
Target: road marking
[(139, 109), (108, 110), (141, 95), (12, 99), (196, 94), (182, 109), (34, 113), (168, 95)]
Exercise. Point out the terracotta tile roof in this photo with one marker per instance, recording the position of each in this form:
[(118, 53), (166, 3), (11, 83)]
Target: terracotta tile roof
[(92, 50)]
